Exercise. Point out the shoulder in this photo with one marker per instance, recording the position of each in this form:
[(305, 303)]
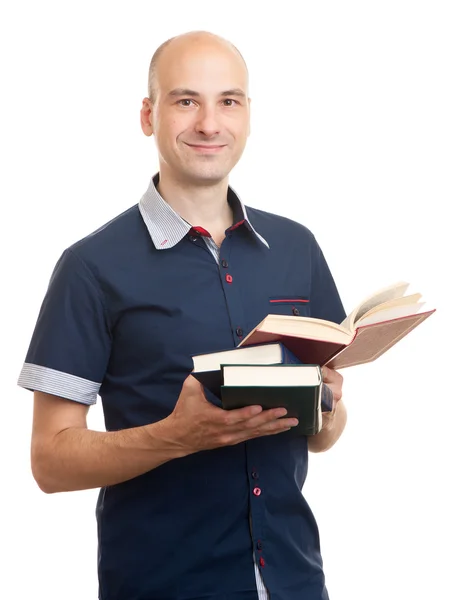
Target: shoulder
[(271, 225), (104, 251), (109, 235), (119, 240)]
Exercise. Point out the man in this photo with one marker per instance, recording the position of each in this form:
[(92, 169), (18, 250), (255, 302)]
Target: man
[(195, 502)]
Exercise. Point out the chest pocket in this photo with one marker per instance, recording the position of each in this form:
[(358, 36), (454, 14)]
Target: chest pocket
[(289, 305)]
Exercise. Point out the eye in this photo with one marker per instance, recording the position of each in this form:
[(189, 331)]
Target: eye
[(186, 102), (230, 102)]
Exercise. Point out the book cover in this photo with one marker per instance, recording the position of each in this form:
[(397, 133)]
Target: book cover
[(301, 402), (371, 341), (297, 387)]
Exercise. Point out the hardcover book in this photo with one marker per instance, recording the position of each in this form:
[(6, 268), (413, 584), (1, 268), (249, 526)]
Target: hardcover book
[(372, 328), (207, 367), (298, 388)]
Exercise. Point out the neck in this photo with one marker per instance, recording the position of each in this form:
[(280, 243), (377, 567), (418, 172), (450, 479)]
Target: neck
[(199, 205)]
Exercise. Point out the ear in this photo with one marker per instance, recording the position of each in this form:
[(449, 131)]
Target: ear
[(249, 122), (147, 117)]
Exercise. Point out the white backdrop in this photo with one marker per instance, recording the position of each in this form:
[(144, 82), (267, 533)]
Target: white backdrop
[(356, 120)]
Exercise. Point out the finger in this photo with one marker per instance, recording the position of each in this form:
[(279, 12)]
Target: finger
[(272, 421), (266, 416), (331, 375), (273, 427), (326, 372), (253, 416), (280, 424), (235, 416)]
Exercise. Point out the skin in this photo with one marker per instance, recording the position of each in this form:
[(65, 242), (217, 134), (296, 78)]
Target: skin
[(200, 120)]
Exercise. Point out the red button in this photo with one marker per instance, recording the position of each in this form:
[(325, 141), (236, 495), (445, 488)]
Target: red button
[(228, 278), (261, 562), (257, 491)]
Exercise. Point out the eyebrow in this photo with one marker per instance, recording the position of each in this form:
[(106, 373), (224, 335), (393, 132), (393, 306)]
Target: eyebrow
[(187, 92)]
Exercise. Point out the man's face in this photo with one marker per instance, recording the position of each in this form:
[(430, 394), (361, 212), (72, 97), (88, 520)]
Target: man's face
[(200, 116)]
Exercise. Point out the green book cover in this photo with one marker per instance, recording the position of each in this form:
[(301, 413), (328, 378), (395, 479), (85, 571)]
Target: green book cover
[(301, 402)]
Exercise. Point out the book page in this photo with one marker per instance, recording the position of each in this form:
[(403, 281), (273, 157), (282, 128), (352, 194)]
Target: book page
[(271, 376), (412, 299), (306, 327), (395, 312), (397, 290), (270, 353)]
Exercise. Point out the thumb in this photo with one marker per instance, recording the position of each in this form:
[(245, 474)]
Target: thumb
[(192, 388), (192, 385)]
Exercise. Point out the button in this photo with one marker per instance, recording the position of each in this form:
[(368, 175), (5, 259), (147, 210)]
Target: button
[(200, 231), (257, 491), (228, 278), (261, 562), (259, 545), (295, 311), (255, 475), (224, 263), (193, 238), (239, 332)]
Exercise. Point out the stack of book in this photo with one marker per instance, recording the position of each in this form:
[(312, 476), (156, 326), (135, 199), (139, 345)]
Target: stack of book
[(278, 364)]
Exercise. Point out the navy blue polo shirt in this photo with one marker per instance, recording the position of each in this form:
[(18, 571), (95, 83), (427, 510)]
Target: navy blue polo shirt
[(125, 310)]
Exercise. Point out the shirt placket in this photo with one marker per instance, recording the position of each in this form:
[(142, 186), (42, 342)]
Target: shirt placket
[(256, 518), (232, 290)]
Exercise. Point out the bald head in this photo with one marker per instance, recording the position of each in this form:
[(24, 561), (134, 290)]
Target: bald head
[(180, 45), (198, 108)]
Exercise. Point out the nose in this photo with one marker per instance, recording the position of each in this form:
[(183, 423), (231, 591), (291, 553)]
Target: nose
[(207, 122)]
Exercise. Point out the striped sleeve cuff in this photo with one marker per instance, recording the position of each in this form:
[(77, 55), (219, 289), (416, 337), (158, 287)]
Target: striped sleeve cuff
[(43, 379)]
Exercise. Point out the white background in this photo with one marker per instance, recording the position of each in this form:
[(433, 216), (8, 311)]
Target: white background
[(355, 133)]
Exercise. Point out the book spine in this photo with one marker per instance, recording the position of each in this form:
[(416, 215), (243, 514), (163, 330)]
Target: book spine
[(288, 357), (327, 398)]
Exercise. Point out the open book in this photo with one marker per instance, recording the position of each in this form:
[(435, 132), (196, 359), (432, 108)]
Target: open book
[(374, 326)]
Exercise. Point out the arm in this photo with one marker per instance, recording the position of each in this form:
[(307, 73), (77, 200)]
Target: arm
[(67, 456), (333, 422), (73, 336), (331, 431)]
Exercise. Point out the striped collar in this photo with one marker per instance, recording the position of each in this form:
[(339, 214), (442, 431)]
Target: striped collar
[(167, 227)]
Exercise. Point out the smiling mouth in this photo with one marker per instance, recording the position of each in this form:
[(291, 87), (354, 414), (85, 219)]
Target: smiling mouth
[(207, 148)]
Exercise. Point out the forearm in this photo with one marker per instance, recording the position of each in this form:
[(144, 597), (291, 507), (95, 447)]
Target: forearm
[(331, 432), (79, 459)]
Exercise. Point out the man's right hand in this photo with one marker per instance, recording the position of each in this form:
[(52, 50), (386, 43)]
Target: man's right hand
[(196, 424), (67, 456)]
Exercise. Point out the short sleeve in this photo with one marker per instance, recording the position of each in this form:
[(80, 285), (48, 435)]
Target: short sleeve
[(325, 302), (70, 346)]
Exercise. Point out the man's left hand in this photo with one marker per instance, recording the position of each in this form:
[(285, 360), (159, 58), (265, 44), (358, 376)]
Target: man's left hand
[(334, 380)]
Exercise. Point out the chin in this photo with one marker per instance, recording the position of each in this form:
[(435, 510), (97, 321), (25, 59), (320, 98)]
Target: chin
[(207, 176)]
